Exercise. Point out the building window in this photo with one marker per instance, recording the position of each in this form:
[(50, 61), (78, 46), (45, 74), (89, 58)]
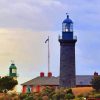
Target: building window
[(28, 89)]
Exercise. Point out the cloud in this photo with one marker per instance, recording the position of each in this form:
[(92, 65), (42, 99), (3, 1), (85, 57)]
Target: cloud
[(28, 14), (41, 15)]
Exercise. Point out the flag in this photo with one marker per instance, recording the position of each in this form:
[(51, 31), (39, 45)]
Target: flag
[(47, 40)]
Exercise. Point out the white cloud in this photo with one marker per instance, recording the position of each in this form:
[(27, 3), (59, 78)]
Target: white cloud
[(49, 2), (36, 15)]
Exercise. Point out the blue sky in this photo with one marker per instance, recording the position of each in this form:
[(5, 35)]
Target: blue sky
[(26, 24)]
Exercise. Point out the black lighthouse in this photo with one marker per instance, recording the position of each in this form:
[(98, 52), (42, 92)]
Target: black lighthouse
[(67, 54)]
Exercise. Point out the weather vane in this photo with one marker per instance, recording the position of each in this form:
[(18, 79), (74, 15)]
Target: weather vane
[(12, 61), (67, 15)]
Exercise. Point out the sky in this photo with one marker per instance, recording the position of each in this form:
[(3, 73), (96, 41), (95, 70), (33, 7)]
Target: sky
[(26, 24)]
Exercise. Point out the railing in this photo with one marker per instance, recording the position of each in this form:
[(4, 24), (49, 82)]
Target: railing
[(8, 75), (74, 37)]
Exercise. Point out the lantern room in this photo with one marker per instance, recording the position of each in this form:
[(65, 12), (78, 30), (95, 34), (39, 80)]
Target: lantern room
[(67, 28), (13, 70)]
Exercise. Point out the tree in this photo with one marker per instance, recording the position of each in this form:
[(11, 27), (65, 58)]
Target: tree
[(96, 83), (69, 91), (69, 96), (7, 83)]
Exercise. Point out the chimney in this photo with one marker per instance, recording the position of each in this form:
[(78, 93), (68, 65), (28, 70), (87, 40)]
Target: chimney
[(95, 74), (49, 74), (42, 74)]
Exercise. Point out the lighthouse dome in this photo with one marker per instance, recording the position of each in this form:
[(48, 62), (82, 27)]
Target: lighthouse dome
[(13, 66), (68, 20)]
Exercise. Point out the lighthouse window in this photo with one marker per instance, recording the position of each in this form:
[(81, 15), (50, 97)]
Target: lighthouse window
[(66, 29), (13, 70), (63, 27), (71, 27)]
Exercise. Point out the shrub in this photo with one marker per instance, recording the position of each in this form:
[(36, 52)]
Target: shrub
[(45, 98), (69, 96), (69, 91), (48, 91), (56, 96), (29, 98), (97, 95), (96, 83), (80, 95), (7, 83), (22, 96)]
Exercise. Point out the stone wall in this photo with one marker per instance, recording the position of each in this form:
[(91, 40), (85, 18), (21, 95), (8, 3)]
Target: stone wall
[(67, 64)]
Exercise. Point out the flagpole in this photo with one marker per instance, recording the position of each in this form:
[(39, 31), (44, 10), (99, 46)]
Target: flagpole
[(48, 55)]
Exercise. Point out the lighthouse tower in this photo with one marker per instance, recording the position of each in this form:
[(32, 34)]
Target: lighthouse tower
[(67, 54), (13, 71)]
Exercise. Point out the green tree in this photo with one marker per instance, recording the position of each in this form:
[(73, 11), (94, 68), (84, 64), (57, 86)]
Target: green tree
[(96, 83), (69, 91), (48, 91), (7, 83), (69, 96)]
